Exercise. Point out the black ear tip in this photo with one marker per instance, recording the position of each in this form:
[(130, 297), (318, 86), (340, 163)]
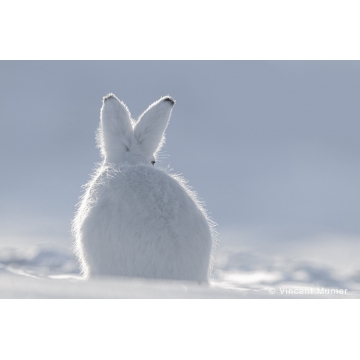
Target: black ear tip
[(109, 96), (170, 100)]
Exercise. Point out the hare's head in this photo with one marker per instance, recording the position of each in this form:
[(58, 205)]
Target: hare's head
[(123, 140)]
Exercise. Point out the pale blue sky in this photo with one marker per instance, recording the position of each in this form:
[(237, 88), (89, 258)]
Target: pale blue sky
[(271, 144)]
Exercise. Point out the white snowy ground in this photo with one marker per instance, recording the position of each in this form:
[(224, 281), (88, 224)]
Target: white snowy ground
[(323, 267)]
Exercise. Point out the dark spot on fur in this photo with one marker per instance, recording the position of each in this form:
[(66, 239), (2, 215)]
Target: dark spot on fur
[(169, 99), (109, 96)]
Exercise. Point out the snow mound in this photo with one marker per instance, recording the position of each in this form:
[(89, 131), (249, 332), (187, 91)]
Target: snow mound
[(51, 272), (37, 261)]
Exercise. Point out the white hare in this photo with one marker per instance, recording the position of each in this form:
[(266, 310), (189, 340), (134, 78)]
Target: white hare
[(134, 219)]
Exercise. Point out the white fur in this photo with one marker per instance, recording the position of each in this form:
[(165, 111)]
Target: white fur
[(135, 219)]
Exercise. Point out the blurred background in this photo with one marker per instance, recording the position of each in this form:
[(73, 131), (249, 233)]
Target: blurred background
[(272, 147)]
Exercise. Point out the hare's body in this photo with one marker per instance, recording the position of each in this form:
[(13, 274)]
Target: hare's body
[(136, 225), (139, 221)]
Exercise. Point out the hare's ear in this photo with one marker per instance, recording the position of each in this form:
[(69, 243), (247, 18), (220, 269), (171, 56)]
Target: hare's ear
[(150, 128), (116, 129)]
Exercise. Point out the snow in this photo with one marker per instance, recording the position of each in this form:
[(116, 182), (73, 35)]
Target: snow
[(51, 271)]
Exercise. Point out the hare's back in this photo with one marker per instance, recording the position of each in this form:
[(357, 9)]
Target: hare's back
[(147, 195), (147, 223)]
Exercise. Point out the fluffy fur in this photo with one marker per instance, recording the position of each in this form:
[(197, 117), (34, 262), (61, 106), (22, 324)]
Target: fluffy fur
[(134, 219)]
